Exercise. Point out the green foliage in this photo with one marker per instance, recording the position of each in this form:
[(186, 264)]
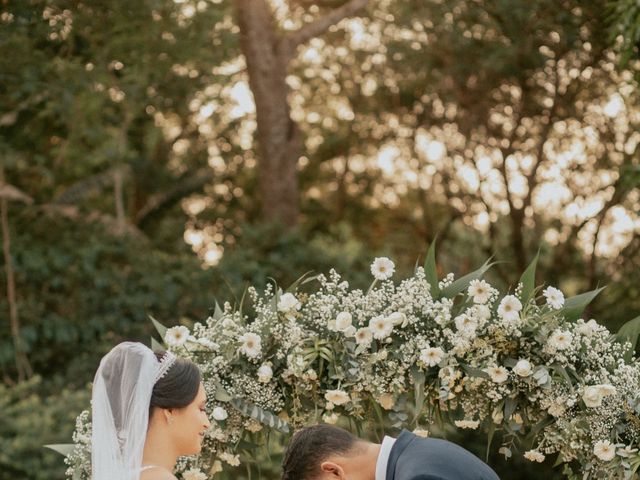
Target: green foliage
[(31, 417)]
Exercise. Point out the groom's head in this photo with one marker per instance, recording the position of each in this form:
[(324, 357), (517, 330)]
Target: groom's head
[(326, 452)]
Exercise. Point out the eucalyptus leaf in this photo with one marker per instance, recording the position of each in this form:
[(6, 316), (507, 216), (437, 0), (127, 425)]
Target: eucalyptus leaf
[(574, 306), (528, 280), (462, 283), (65, 449), (431, 271), (630, 332), (162, 330), (263, 416)]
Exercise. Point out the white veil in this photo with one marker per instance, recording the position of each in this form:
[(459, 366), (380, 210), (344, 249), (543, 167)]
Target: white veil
[(120, 408)]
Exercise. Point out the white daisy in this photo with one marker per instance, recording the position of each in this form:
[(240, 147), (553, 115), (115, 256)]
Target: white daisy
[(509, 308), (534, 456), (251, 345), (560, 339), (337, 397), (382, 268), (479, 290), (555, 298), (176, 336), (498, 374), (363, 336), (380, 327), (431, 356), (604, 450)]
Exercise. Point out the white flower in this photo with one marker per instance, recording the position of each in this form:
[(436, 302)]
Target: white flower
[(380, 327), (593, 394), (588, 329), (265, 373), (330, 418), (343, 321), (498, 374), (509, 308), (626, 452), (205, 342), (471, 424), (479, 290), (382, 268), (555, 298), (349, 331), (386, 401), (397, 318), (230, 458), (421, 432), (482, 312), (176, 336), (363, 336), (497, 416), (466, 325), (194, 474), (337, 397), (604, 450), (556, 410), (216, 467), (523, 368), (431, 356), (560, 339), (534, 456), (288, 304), (251, 345), (219, 414)]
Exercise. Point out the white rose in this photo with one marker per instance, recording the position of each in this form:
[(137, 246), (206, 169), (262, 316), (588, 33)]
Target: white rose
[(343, 321), (330, 418), (397, 318), (337, 397), (523, 368), (265, 373), (350, 331), (593, 394), (219, 414), (288, 303)]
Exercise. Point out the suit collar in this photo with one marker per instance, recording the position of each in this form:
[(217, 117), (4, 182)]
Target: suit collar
[(402, 442)]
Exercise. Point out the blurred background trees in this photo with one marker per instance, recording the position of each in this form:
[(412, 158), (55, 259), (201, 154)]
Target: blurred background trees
[(158, 155)]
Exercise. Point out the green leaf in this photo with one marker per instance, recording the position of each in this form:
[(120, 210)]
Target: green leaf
[(221, 394), (418, 385), (630, 332), (156, 346), (162, 330), (574, 306), (64, 449), (307, 277), (263, 416), (431, 271), (462, 283), (528, 280), (217, 312)]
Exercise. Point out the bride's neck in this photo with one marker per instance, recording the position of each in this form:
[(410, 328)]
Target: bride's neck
[(158, 449)]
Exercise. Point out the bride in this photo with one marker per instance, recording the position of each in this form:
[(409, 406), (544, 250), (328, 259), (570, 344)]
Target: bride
[(148, 409)]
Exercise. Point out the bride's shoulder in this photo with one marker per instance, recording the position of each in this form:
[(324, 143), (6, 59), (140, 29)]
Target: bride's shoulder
[(157, 473)]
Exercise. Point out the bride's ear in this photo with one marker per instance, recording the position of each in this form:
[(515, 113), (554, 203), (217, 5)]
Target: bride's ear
[(334, 470), (167, 413)]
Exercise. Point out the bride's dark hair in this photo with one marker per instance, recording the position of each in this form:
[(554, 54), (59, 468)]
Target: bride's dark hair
[(178, 387)]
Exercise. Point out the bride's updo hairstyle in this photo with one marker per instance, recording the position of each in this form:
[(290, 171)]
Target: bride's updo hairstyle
[(178, 387)]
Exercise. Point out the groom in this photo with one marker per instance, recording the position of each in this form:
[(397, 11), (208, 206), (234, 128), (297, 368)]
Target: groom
[(325, 452)]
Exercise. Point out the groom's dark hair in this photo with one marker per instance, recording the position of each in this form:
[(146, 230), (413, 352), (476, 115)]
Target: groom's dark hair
[(310, 446)]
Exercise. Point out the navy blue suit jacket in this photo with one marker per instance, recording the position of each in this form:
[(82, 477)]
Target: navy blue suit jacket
[(417, 458)]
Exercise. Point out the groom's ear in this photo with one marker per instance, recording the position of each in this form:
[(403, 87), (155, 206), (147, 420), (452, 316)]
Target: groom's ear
[(332, 470)]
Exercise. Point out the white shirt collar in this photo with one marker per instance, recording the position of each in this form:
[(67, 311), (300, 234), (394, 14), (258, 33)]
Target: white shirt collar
[(383, 458)]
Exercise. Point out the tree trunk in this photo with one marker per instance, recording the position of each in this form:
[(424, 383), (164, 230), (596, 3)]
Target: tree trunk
[(279, 145), (22, 362)]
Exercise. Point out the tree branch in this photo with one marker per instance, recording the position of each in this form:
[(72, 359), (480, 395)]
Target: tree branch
[(322, 24)]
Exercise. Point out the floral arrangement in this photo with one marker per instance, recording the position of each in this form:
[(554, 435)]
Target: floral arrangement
[(409, 353)]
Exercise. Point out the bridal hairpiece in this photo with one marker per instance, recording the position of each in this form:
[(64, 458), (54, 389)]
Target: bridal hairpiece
[(167, 360)]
